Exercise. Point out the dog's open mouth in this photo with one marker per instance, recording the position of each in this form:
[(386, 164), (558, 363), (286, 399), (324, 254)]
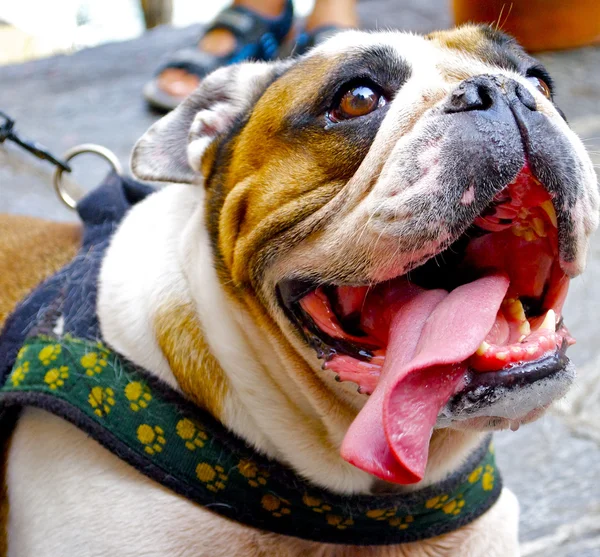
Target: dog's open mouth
[(487, 307)]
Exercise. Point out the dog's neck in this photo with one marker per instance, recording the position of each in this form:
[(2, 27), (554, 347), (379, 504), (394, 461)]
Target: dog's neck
[(162, 306)]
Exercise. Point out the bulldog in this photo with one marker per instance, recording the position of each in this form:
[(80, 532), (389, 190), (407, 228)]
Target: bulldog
[(359, 270)]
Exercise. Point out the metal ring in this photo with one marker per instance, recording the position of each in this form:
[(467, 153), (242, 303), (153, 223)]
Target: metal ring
[(103, 152)]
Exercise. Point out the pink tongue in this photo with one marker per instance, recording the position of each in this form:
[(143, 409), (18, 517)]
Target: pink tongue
[(432, 333)]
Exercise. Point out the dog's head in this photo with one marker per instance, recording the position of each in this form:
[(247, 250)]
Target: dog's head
[(403, 212)]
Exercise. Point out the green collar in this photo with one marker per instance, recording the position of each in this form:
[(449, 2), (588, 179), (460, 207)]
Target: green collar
[(153, 428)]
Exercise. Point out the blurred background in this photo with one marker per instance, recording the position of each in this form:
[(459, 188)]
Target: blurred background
[(32, 29), (72, 71)]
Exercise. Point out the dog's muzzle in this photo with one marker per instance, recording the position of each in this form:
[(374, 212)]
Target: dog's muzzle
[(453, 339)]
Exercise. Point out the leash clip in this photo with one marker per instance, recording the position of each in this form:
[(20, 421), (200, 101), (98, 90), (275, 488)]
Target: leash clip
[(84, 148), (7, 131)]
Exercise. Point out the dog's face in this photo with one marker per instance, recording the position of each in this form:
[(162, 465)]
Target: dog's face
[(405, 214)]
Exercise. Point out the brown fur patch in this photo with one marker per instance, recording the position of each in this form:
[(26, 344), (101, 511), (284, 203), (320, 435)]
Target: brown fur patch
[(179, 335), (259, 189), (484, 43), (468, 38), (31, 250)]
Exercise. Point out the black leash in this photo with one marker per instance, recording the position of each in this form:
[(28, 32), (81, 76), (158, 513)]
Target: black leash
[(7, 131)]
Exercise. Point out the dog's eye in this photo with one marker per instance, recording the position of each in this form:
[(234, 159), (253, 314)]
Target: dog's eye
[(541, 86), (358, 100)]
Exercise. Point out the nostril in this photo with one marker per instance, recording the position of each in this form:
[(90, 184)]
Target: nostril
[(485, 97), (470, 96), (482, 93), (525, 97)]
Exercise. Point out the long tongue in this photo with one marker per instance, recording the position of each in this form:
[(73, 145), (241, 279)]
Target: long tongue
[(432, 333)]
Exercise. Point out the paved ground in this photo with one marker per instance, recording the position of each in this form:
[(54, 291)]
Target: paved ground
[(94, 96)]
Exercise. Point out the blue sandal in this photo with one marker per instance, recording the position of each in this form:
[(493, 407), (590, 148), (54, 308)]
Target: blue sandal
[(257, 38)]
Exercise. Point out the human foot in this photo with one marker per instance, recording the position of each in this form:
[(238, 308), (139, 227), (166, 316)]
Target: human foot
[(180, 83), (241, 32)]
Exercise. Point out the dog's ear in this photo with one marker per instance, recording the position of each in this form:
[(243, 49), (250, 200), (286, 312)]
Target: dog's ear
[(171, 150)]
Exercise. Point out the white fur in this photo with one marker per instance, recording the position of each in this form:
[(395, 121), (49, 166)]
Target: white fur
[(140, 272)]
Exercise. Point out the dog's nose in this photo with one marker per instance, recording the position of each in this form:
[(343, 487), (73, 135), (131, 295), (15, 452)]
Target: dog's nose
[(484, 92)]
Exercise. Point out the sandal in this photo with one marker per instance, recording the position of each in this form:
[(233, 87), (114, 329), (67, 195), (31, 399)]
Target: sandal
[(257, 38), (309, 39)]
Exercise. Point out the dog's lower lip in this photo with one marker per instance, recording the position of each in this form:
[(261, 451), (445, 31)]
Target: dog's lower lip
[(483, 390), (522, 374)]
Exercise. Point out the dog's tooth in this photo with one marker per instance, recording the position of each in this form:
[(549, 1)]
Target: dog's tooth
[(549, 210), (522, 231), (516, 310), (549, 322), (483, 348), (501, 355), (525, 328), (539, 227)]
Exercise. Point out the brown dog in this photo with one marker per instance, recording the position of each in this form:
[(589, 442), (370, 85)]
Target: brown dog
[(361, 273)]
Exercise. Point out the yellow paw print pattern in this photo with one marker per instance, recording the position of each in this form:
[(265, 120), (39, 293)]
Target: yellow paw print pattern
[(277, 506), (381, 514), (21, 353), (138, 395), (101, 400), (56, 377), (485, 474), (402, 523), (94, 362), (339, 522), (253, 473), (193, 435), (315, 503), (153, 437), (487, 482), (475, 475), (18, 375), (49, 353), (436, 502), (213, 477), (449, 506)]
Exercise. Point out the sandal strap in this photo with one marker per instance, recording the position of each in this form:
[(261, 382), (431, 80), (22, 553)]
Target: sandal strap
[(192, 60), (241, 21), (257, 38)]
